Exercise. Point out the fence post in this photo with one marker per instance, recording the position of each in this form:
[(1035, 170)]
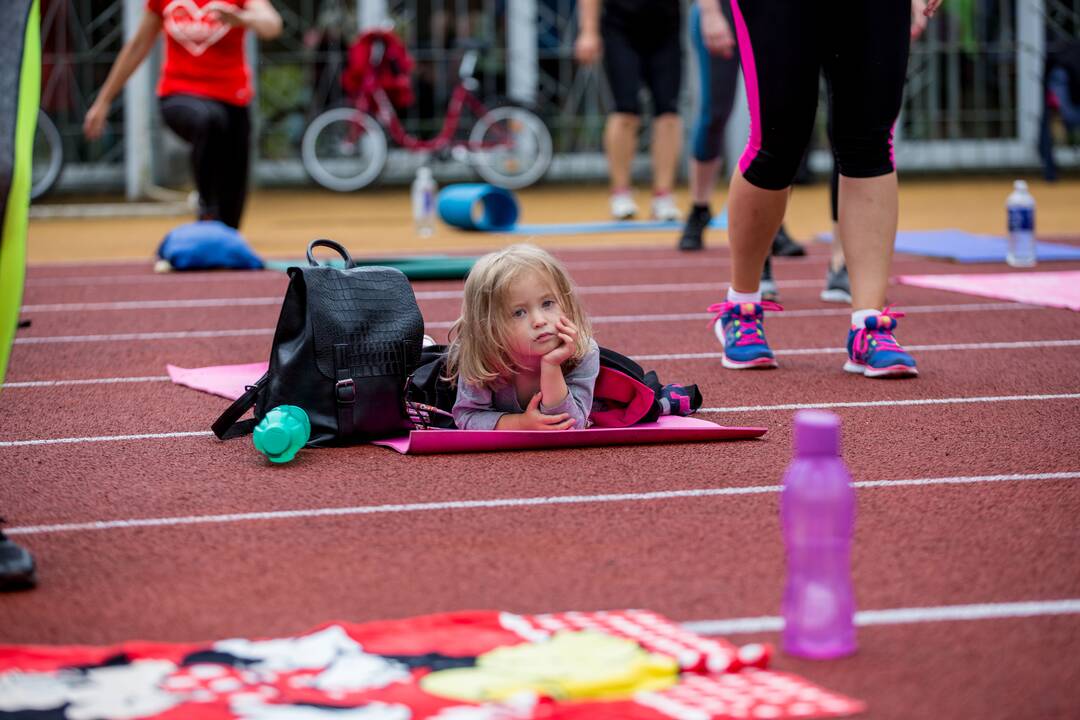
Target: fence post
[(522, 78), (371, 13), (1030, 51), (137, 102)]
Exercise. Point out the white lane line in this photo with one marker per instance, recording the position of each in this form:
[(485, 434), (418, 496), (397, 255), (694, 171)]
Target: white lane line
[(1016, 345), (506, 503), (1019, 345), (90, 381), (120, 337), (900, 616), (717, 410), (892, 403), (227, 302), (814, 260), (104, 438), (596, 320), (789, 314)]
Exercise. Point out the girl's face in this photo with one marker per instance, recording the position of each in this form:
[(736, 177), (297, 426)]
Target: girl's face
[(531, 312)]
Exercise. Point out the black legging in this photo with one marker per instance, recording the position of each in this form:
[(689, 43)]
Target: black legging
[(219, 134), (643, 43), (862, 47)]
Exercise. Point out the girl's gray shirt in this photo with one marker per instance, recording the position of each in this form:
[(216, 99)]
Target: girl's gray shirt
[(479, 408)]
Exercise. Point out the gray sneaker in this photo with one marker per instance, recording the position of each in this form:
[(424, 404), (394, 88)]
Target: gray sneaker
[(768, 288), (837, 286)]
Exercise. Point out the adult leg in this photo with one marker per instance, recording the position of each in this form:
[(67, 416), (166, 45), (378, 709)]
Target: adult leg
[(203, 123), (666, 148), (662, 69), (234, 166), (837, 285), (777, 43), (866, 70), (622, 66), (620, 142), (866, 75), (717, 76)]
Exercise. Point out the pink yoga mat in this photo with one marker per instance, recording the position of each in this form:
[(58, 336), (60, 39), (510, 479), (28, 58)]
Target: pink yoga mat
[(1051, 289), (668, 429), (229, 381)]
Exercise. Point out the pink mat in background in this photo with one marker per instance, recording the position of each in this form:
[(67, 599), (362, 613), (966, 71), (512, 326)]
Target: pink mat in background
[(1051, 289), (228, 381), (668, 429)]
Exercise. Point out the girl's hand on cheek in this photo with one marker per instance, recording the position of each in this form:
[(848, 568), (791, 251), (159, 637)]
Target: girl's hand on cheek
[(567, 333)]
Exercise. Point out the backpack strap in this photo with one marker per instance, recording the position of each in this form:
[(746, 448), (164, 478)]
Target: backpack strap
[(344, 390), (229, 425)]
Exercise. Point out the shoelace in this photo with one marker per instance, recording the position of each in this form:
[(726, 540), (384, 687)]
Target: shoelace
[(881, 335), (747, 314)]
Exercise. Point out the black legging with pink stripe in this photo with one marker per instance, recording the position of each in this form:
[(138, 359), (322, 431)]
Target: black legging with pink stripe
[(862, 48)]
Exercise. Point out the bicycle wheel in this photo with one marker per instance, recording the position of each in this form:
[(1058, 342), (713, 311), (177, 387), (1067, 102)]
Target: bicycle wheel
[(343, 149), (48, 157), (510, 147)]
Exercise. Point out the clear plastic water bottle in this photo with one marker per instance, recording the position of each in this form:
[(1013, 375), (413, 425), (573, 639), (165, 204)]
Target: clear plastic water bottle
[(423, 202), (817, 513), (1021, 211)]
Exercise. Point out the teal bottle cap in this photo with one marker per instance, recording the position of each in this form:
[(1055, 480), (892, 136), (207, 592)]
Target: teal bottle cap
[(282, 432)]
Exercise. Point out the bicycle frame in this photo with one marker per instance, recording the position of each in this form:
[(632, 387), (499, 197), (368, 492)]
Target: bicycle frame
[(386, 115)]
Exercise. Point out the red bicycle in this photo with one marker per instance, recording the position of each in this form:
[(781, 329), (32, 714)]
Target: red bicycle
[(345, 149)]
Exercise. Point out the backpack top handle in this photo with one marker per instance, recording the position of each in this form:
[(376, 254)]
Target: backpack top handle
[(335, 246)]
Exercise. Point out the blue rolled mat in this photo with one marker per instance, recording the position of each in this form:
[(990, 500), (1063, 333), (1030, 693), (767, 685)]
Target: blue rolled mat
[(477, 206)]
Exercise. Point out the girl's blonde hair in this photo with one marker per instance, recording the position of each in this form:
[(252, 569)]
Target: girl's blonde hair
[(479, 350)]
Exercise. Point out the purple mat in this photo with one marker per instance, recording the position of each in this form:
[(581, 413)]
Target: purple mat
[(967, 247)]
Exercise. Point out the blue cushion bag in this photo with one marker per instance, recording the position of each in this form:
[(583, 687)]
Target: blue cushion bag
[(207, 245)]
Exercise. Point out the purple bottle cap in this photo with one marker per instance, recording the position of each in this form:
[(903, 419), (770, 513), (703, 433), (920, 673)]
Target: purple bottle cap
[(817, 432)]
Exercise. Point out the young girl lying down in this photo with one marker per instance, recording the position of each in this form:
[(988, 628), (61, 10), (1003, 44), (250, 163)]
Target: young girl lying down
[(522, 353)]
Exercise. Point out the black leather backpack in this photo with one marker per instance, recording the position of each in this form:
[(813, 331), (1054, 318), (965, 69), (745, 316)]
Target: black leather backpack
[(346, 341)]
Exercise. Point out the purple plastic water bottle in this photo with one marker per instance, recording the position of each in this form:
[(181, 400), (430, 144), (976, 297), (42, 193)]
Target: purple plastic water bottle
[(817, 512)]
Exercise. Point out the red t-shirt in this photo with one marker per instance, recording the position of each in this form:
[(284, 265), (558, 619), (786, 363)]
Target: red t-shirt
[(203, 56)]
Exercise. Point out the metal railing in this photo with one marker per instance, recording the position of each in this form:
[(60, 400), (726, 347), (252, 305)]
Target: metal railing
[(973, 100)]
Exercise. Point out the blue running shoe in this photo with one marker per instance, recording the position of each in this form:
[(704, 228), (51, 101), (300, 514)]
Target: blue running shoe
[(740, 327), (874, 352)]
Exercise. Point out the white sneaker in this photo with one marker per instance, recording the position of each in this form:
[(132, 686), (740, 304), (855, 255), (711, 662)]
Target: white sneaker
[(664, 208), (623, 206)]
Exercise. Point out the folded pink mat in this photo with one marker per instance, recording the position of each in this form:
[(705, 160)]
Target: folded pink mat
[(229, 381), (668, 429), (1050, 289)]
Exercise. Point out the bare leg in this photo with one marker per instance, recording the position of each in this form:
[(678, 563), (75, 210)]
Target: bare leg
[(703, 180), (754, 216), (666, 147), (836, 251), (620, 141), (868, 220)]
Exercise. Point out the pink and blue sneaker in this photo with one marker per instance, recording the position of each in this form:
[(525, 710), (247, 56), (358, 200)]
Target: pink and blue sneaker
[(740, 327), (874, 352)]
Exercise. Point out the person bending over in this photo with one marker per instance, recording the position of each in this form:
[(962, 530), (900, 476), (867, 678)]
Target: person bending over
[(204, 91)]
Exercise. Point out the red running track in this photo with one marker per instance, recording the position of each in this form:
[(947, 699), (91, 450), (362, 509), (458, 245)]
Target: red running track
[(967, 538)]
